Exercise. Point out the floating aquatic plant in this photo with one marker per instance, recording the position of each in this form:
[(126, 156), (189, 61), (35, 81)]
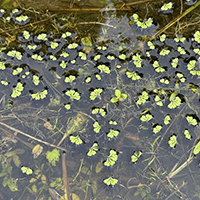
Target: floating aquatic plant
[(17, 90), (136, 155), (96, 93), (93, 149), (75, 139), (97, 127), (40, 95), (111, 159), (26, 170), (15, 53), (110, 181), (118, 97), (172, 141), (2, 66), (113, 133), (73, 94)]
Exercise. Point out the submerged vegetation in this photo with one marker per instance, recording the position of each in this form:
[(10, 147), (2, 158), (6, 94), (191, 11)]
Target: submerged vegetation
[(119, 102)]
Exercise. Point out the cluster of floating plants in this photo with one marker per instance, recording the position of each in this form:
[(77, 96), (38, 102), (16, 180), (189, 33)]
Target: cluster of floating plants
[(114, 81)]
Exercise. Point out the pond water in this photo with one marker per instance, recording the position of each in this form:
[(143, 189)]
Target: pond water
[(92, 107)]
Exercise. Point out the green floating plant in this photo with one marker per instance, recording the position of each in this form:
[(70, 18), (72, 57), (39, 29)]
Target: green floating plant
[(64, 54), (21, 18), (157, 67), (36, 80), (191, 64), (187, 134), (163, 37), (42, 36), (32, 47), (83, 56), (53, 156), (118, 97), (73, 94), (146, 118), (104, 68), (98, 77), (143, 98), (70, 79), (54, 45), (37, 57), (17, 90), (4, 82), (133, 75), (157, 128), (195, 72), (99, 110), (191, 120), (137, 60), (88, 79), (111, 159), (122, 56), (73, 46), (26, 170), (63, 64), (2, 66), (167, 119), (164, 80), (113, 133), (17, 71), (102, 48), (158, 101), (151, 45), (145, 24), (109, 57), (181, 50), (136, 155), (175, 101), (96, 93), (197, 36), (26, 35), (96, 127), (164, 52), (93, 149), (113, 122), (181, 77), (110, 181), (15, 53), (40, 95), (53, 57), (196, 148), (180, 39), (73, 61), (97, 57), (67, 34), (75, 139), (174, 62), (167, 6), (197, 51), (68, 106), (172, 141)]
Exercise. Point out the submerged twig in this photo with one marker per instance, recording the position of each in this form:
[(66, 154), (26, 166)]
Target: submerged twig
[(29, 136), (97, 23), (65, 179)]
